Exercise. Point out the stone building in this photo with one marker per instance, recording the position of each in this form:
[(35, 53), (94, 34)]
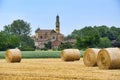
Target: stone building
[(43, 36)]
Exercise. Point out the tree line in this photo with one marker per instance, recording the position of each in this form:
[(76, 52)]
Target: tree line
[(16, 35), (96, 36)]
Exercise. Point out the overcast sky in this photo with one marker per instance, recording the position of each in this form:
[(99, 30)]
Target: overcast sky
[(74, 14)]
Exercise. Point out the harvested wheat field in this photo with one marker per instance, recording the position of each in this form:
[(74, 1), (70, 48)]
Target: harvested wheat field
[(53, 69)]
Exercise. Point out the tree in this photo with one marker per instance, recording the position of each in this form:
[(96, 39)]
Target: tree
[(13, 41), (103, 30), (18, 27), (115, 32), (3, 42), (8, 41), (48, 45), (104, 42), (96, 36), (118, 38), (74, 34), (8, 29), (22, 30), (66, 45), (27, 43), (80, 43), (110, 32), (88, 37)]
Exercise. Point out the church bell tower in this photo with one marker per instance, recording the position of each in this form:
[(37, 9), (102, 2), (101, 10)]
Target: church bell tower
[(57, 24)]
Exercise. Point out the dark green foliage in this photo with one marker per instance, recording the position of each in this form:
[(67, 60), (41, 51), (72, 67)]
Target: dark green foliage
[(8, 41), (44, 49), (118, 38), (26, 48), (13, 41), (3, 41), (69, 37), (48, 45), (66, 45), (95, 36), (74, 34), (104, 42), (18, 27), (88, 37), (110, 32), (27, 43), (115, 32), (17, 34), (103, 30)]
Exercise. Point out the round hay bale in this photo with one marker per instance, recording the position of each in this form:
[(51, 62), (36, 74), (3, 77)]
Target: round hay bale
[(76, 54), (70, 54), (90, 57), (13, 55), (109, 58)]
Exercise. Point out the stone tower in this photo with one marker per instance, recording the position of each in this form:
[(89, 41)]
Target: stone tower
[(57, 24)]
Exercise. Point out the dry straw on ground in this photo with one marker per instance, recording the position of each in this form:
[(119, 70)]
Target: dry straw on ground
[(53, 69), (90, 57), (109, 58), (70, 54), (13, 55)]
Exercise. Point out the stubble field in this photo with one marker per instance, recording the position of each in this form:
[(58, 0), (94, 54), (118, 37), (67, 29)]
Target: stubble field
[(53, 69)]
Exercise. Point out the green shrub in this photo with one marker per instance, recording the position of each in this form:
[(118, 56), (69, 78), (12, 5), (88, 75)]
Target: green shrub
[(44, 49), (27, 48)]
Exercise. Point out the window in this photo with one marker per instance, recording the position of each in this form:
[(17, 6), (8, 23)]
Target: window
[(41, 37), (53, 37)]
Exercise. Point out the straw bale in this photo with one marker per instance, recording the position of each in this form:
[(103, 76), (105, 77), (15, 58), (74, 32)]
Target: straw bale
[(70, 54), (13, 55), (109, 58), (90, 57)]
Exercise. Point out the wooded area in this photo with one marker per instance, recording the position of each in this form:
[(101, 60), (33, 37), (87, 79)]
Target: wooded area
[(96, 36)]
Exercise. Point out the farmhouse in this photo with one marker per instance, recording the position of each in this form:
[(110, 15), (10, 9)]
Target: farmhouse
[(45, 36)]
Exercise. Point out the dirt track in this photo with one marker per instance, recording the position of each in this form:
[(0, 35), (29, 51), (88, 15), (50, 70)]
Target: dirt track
[(53, 69)]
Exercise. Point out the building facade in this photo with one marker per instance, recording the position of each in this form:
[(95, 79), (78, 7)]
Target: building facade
[(43, 36)]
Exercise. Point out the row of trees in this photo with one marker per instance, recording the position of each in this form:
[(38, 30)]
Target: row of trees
[(95, 36), (17, 35)]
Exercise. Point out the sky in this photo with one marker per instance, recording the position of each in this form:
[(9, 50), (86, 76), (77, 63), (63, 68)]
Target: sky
[(74, 14)]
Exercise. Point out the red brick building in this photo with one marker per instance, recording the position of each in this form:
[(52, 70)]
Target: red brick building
[(43, 36)]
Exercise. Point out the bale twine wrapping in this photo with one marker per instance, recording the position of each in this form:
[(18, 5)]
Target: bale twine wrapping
[(13, 55), (90, 57), (70, 54), (109, 58)]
